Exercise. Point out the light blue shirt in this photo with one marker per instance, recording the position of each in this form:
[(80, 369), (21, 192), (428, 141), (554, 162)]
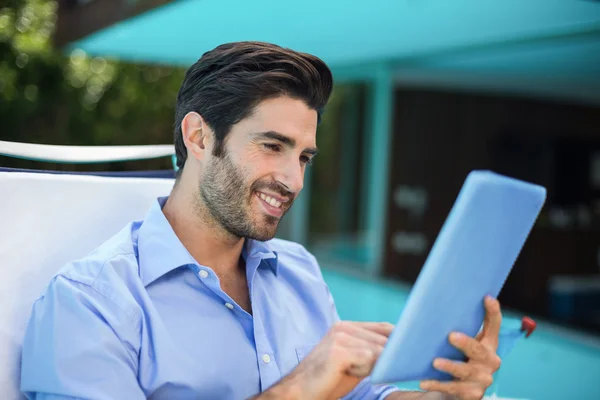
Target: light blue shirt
[(139, 318)]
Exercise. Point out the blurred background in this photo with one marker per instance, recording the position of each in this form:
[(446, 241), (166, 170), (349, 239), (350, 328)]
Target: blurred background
[(425, 92)]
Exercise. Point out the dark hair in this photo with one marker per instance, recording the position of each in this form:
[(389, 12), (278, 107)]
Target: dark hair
[(228, 82)]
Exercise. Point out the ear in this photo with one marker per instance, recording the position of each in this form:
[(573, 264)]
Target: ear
[(196, 135)]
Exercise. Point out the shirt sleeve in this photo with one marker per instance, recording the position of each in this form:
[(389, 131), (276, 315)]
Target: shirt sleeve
[(365, 390), (80, 344)]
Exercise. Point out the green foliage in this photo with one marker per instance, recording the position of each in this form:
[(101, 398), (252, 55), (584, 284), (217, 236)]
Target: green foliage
[(50, 97)]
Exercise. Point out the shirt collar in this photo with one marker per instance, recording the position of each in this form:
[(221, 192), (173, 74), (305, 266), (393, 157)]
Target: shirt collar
[(160, 250), (257, 249)]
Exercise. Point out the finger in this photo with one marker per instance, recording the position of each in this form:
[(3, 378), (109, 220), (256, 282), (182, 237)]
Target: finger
[(382, 328), (371, 332), (362, 363), (473, 349), (457, 369), (355, 355), (476, 352), (492, 322), (463, 390), (359, 341), (360, 344), (479, 335), (464, 371), (362, 358)]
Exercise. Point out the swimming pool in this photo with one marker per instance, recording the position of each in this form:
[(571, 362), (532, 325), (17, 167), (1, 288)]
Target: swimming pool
[(553, 364)]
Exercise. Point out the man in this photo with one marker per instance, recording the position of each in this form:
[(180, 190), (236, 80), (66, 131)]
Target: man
[(198, 300)]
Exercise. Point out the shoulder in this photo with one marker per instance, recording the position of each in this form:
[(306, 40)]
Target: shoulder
[(88, 311), (110, 272)]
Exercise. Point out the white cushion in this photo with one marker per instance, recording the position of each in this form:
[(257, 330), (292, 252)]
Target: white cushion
[(46, 221)]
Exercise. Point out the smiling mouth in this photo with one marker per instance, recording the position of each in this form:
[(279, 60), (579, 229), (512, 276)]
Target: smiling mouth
[(273, 202), (271, 205)]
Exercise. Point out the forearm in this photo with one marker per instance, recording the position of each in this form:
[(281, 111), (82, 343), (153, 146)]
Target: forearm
[(286, 389), (405, 395)]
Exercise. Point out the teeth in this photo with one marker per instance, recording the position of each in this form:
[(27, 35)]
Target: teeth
[(270, 200)]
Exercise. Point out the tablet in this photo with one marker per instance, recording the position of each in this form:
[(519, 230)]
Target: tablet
[(471, 257)]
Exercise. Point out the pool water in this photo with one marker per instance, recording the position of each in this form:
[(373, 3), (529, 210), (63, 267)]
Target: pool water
[(552, 364)]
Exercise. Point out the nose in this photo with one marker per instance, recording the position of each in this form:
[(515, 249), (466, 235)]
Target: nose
[(291, 175)]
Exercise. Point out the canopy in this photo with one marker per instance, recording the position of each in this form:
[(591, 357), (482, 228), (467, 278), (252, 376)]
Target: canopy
[(554, 42)]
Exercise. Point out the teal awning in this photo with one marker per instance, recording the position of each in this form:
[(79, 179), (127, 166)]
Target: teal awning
[(551, 39)]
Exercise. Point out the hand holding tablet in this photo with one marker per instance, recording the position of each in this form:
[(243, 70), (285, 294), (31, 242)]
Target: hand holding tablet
[(471, 259), (473, 377), (454, 293)]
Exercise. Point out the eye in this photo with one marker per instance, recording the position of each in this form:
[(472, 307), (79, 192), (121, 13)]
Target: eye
[(272, 147), (306, 160)]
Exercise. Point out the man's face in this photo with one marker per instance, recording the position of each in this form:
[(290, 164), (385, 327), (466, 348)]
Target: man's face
[(250, 188)]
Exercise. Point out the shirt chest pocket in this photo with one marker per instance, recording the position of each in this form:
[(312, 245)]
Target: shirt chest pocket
[(292, 356)]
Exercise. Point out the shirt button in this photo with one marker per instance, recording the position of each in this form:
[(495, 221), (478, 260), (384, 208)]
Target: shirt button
[(203, 273), (229, 305), (266, 358)]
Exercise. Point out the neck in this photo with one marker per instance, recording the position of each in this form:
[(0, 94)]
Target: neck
[(208, 243)]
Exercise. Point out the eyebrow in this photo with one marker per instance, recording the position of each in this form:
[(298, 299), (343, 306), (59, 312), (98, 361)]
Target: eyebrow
[(286, 140)]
